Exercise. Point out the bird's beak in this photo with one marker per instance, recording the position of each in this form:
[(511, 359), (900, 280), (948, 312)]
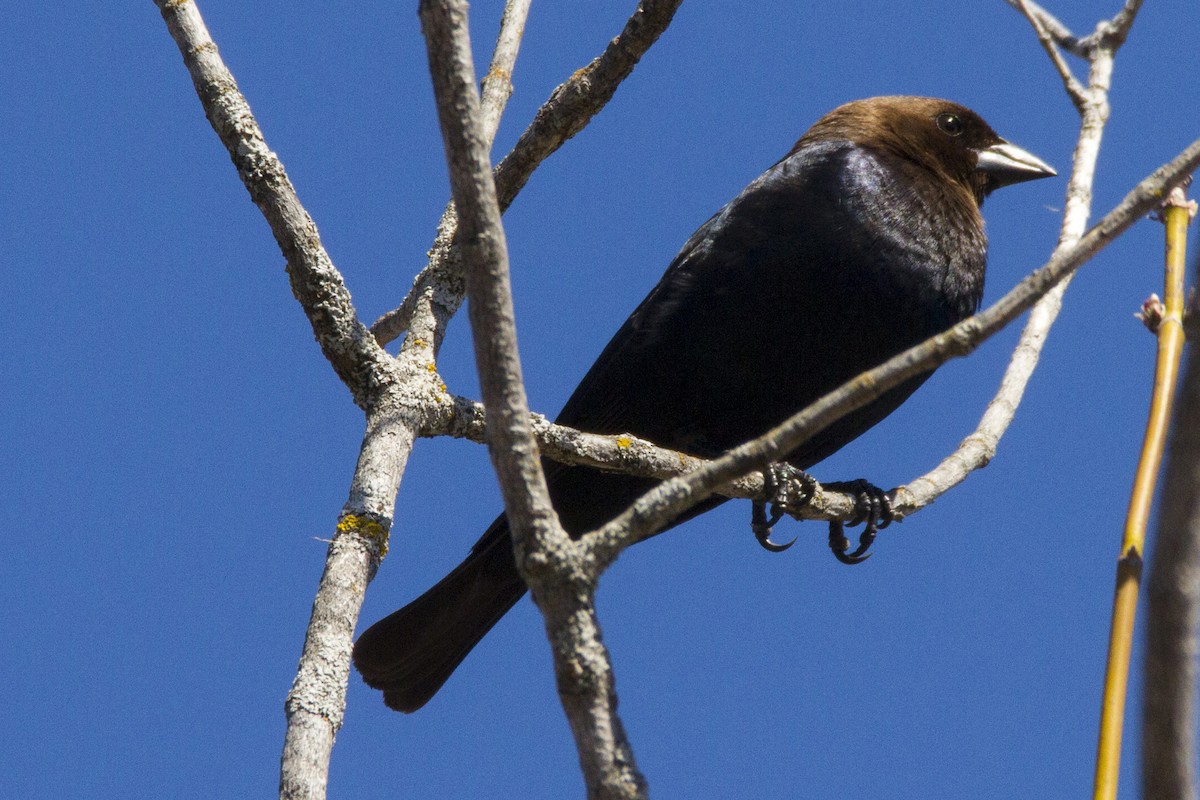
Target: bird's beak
[(1006, 164)]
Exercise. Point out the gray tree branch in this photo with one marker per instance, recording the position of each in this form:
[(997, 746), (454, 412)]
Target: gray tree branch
[(441, 290), (548, 558), (355, 355), (570, 107), (1071, 84), (1091, 102), (394, 393), (1061, 33), (402, 396), (624, 453)]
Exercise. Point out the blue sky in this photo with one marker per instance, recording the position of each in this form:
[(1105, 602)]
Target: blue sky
[(176, 447)]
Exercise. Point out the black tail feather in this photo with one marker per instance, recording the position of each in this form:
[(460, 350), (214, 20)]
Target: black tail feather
[(412, 652)]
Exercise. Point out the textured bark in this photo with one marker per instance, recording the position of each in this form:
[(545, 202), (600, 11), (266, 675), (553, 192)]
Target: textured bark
[(561, 582)]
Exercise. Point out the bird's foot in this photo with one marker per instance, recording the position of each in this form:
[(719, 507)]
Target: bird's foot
[(872, 506), (784, 487)]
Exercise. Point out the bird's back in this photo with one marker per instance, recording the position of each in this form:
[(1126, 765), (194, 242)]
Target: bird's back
[(821, 268)]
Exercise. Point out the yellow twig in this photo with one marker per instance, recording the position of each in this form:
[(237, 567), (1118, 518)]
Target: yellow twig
[(1166, 319)]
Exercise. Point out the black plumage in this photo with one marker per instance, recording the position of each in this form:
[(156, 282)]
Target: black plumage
[(863, 241)]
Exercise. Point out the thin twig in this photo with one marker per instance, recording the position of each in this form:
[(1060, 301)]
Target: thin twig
[(497, 88), (977, 449), (572, 105), (567, 111), (1121, 23), (1061, 33), (1071, 84), (562, 593), (497, 83)]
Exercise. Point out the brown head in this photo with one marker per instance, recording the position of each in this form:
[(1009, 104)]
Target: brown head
[(947, 139)]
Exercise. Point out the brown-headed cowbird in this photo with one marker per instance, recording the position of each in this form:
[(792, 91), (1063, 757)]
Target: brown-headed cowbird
[(863, 241)]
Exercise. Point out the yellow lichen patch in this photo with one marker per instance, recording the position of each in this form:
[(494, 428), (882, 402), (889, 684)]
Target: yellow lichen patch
[(372, 529), (624, 442)]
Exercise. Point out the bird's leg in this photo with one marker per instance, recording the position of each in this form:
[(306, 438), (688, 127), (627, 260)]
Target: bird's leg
[(783, 486), (873, 506)]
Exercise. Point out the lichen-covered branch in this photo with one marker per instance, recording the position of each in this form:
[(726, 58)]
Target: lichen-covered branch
[(624, 453), (394, 393), (317, 700), (355, 355), (549, 560)]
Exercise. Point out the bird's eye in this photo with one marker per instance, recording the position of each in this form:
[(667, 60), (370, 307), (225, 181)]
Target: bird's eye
[(950, 124)]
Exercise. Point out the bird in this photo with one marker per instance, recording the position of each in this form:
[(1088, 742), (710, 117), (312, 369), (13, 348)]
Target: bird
[(865, 239)]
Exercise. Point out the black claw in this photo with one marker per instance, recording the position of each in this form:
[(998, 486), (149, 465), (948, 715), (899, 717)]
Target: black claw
[(786, 487), (761, 525), (873, 506), (839, 544), (779, 481)]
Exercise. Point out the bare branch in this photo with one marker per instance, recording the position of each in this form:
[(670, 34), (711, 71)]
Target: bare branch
[(1061, 33), (388, 390), (573, 104), (1071, 84), (977, 449), (1118, 27), (1109, 34), (624, 453), (675, 496), (356, 357), (366, 518), (568, 110), (497, 84), (550, 564), (497, 88), (510, 439)]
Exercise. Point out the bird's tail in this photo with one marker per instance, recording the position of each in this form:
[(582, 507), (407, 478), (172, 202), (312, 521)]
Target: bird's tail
[(411, 653)]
